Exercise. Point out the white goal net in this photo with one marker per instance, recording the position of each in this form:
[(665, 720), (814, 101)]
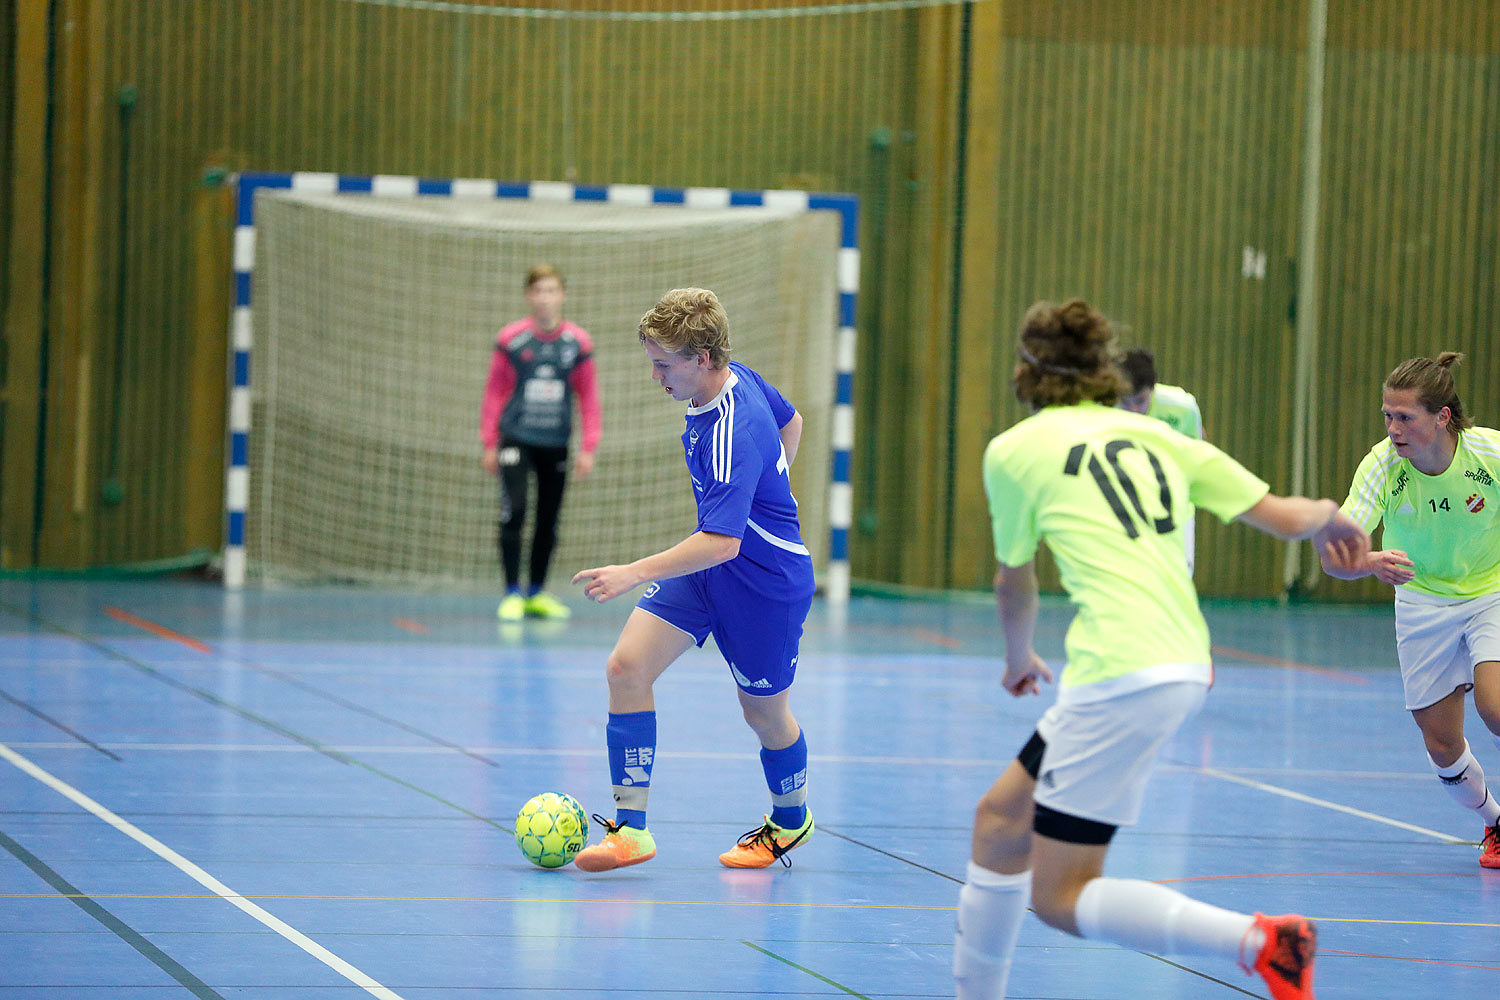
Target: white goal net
[(375, 319)]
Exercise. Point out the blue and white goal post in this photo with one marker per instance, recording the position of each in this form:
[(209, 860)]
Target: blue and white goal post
[(242, 334)]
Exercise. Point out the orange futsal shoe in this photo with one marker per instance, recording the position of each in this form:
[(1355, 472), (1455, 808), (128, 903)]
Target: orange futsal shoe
[(1489, 850), (621, 846), (1285, 961), (767, 844)]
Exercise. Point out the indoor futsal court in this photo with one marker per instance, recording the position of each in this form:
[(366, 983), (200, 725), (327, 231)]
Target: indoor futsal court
[(310, 793)]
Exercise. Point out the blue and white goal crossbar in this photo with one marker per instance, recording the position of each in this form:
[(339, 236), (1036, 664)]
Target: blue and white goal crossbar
[(241, 338)]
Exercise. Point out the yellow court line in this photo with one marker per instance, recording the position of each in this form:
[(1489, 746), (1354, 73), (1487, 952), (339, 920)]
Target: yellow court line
[(638, 902)]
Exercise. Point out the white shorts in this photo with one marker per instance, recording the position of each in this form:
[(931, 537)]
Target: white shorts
[(1440, 640), (1100, 753)]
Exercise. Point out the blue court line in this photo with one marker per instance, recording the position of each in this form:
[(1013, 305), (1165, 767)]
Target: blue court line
[(202, 647), (58, 725), (360, 709), (120, 929), (247, 714)]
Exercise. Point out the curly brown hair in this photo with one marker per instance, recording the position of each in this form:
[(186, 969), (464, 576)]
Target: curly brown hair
[(1432, 378), (1067, 356)]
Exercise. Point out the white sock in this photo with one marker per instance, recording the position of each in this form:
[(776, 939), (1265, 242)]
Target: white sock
[(1150, 917), (1464, 779), (990, 908)]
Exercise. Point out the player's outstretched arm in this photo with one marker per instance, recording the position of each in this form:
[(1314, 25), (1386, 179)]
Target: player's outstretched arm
[(1343, 546), (1390, 566), (1016, 597), (698, 551)]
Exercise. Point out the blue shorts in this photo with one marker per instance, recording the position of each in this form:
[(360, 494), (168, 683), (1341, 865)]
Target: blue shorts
[(757, 635)]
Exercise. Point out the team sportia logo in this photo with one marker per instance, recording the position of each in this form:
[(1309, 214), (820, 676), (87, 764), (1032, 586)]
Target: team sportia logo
[(1475, 503)]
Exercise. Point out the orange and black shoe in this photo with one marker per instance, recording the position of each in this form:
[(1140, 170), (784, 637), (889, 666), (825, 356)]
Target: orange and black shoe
[(1489, 849), (766, 845), (621, 846), (1286, 959)]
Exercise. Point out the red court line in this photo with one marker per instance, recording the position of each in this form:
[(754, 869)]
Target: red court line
[(414, 627), (158, 630), (1398, 958), (936, 637), (1276, 661)]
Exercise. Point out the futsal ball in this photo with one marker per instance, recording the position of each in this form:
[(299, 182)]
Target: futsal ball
[(551, 829)]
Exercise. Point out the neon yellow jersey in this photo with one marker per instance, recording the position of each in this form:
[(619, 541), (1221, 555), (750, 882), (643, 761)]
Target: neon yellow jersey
[(1449, 524), (1178, 408), (1109, 491)]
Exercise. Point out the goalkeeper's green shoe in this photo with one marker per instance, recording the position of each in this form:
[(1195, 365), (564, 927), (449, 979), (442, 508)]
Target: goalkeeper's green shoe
[(544, 605), (512, 609)]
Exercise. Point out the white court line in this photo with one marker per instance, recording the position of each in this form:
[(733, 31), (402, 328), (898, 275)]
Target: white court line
[(1349, 810), (200, 876)]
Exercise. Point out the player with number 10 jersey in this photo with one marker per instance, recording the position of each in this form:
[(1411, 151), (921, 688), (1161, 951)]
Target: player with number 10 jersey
[(1111, 491)]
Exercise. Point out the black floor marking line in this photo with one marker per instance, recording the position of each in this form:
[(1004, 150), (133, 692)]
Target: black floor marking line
[(1203, 975), (897, 857), (58, 725), (803, 968), (167, 679), (245, 713), (350, 705), (359, 709), (121, 929), (959, 881)]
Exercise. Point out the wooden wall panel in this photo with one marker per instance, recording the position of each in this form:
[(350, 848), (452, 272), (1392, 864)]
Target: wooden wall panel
[(1126, 150), (1139, 164), (753, 101), (1411, 221)]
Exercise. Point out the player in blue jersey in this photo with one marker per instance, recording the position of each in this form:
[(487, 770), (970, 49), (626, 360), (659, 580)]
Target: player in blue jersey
[(743, 577)]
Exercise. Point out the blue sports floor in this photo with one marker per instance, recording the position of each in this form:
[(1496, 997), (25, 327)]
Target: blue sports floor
[(310, 794)]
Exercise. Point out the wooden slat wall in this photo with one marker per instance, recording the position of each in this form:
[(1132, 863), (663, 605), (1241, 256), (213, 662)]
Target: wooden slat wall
[(1126, 150), (371, 88), (1411, 222), (1142, 151), (8, 83)]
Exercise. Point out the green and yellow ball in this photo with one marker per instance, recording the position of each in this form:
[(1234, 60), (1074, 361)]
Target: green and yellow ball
[(551, 829)]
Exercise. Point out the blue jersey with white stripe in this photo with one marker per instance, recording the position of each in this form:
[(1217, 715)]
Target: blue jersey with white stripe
[(739, 473)]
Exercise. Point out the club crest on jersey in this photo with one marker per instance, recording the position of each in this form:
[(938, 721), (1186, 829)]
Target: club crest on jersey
[(1475, 503), (692, 441)]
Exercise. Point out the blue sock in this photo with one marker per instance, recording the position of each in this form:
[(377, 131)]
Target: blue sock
[(786, 776), (631, 738), (512, 590), (533, 590)]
